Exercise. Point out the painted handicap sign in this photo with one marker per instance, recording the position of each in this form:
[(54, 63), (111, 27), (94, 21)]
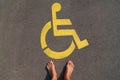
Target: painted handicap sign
[(53, 24)]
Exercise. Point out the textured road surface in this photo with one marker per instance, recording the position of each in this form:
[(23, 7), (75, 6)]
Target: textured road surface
[(21, 22)]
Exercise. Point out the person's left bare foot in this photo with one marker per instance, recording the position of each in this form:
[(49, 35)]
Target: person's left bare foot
[(51, 69)]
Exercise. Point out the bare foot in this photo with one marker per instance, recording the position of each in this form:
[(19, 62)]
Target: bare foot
[(51, 69), (69, 70)]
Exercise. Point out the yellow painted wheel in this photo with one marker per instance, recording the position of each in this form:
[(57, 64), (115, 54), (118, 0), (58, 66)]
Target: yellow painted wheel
[(49, 52)]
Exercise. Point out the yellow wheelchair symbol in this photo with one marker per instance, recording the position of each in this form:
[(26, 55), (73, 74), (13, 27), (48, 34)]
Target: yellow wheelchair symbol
[(56, 7)]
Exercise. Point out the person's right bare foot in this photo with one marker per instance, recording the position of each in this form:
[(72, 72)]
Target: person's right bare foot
[(69, 70)]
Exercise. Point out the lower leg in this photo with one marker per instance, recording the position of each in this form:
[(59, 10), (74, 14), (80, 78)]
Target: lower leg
[(69, 70), (51, 69)]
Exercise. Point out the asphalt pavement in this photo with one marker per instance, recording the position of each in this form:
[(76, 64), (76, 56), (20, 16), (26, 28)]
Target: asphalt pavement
[(21, 23)]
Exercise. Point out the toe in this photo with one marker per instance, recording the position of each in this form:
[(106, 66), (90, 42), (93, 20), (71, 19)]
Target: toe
[(48, 65), (70, 63)]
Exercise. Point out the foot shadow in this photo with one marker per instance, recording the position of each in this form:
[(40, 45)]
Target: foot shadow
[(48, 77), (61, 77)]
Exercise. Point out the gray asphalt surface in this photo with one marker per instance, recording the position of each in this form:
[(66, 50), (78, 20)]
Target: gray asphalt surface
[(21, 22)]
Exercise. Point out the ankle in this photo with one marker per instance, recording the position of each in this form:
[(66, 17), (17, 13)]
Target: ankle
[(54, 78), (66, 78)]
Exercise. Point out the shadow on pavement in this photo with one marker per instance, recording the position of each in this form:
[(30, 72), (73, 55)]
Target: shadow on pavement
[(61, 77), (48, 77)]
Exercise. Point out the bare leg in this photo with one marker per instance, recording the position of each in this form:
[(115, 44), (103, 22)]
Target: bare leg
[(69, 70), (51, 69)]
